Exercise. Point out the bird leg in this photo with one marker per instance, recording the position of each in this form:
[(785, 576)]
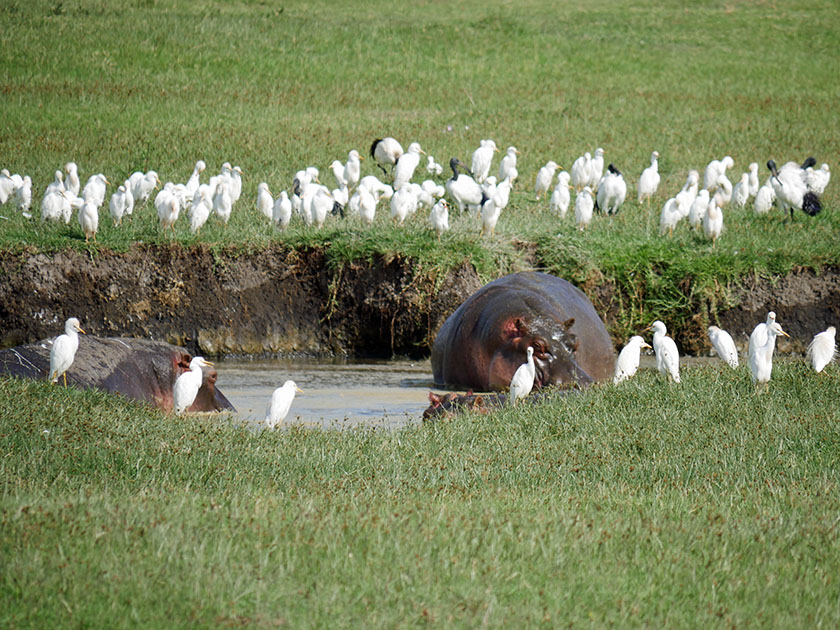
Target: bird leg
[(65, 379)]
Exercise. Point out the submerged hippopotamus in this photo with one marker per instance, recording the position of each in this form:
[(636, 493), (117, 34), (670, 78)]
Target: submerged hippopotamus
[(483, 342), (136, 368)]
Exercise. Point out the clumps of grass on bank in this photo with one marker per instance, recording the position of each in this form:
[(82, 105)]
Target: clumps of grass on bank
[(644, 503)]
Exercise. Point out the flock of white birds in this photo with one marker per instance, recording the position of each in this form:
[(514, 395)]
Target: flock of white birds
[(793, 186)]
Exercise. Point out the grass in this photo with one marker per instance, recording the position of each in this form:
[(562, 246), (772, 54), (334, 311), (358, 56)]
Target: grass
[(646, 504)]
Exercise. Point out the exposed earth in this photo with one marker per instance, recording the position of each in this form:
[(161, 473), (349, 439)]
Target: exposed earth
[(282, 301)]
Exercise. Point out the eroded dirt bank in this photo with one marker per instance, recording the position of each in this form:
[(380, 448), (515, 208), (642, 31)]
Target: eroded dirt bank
[(284, 301)]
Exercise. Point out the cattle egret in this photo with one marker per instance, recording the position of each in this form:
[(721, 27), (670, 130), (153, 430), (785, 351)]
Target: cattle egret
[(403, 203), (501, 197), (723, 194), (764, 199), (201, 207), (386, 152), (649, 179), (669, 217), (128, 201), (321, 205), (352, 169), (116, 206), (168, 209), (596, 168), (337, 169), (463, 188), (628, 359), (489, 217), (685, 198), (51, 205), (187, 385), (95, 189), (195, 179), (72, 182), (367, 204), (142, 185), (406, 165), (713, 222), (265, 202), (507, 166), (63, 350), (439, 217), (23, 194), (817, 180), (612, 190), (223, 202), (7, 186), (724, 345), (523, 379), (89, 219), (753, 179), (667, 356), (432, 167), (482, 159), (281, 402), (561, 198), (584, 206), (282, 211), (761, 347), (580, 171), (741, 191), (714, 171), (236, 184), (698, 209), (544, 177), (57, 184), (822, 349), (791, 190)]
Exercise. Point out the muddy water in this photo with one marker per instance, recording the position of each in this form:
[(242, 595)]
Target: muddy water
[(336, 393)]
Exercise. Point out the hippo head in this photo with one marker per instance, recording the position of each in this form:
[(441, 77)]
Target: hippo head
[(554, 346)]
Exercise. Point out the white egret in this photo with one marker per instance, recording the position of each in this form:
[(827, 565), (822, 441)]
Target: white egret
[(523, 379), (282, 211), (7, 186), (667, 356), (128, 203), (23, 194), (489, 217), (265, 202), (723, 192), (407, 164), (432, 191), (561, 198), (52, 204), (741, 191), (628, 359), (724, 345), (223, 202), (791, 190), (168, 209), (439, 217), (463, 188), (367, 204), (685, 198), (596, 169), (764, 199), (281, 402), (649, 179), (544, 177), (432, 167), (822, 349), (482, 159), (142, 185), (714, 171), (581, 168), (56, 184), (713, 222), (669, 217), (321, 205), (187, 385), (195, 179), (501, 196), (353, 169), (403, 203), (337, 169), (236, 184), (612, 190), (116, 207), (72, 183), (507, 165), (68, 203), (753, 179), (698, 209), (761, 347), (63, 350), (201, 207), (386, 152), (817, 180), (584, 207), (89, 219)]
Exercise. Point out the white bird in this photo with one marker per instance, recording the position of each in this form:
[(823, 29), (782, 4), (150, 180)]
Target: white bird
[(561, 198), (89, 219), (698, 209), (128, 200), (669, 217), (352, 169), (741, 192), (596, 168), (723, 193), (753, 179), (628, 359), (223, 202), (378, 188), (713, 222), (523, 379), (142, 185), (168, 208), (63, 350), (265, 202), (463, 188), (507, 165), (822, 349), (281, 402), (439, 217), (612, 190), (95, 189), (667, 356), (68, 203), (764, 199), (482, 159), (685, 198), (52, 204), (187, 385), (337, 169), (432, 167), (116, 207), (431, 192), (57, 184), (72, 183), (761, 347), (320, 205), (544, 177), (817, 180), (201, 207), (714, 171), (501, 196), (791, 190), (235, 184), (489, 217), (23, 194), (195, 179), (403, 203), (581, 168), (724, 345), (7, 186), (406, 165), (282, 211), (386, 152), (584, 206), (367, 204), (649, 179)]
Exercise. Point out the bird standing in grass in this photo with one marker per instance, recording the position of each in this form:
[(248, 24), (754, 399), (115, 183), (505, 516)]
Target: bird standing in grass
[(724, 345), (791, 189), (63, 350), (581, 169), (761, 347), (584, 207), (544, 177), (822, 349), (439, 217), (612, 190), (561, 197), (265, 202), (187, 385), (507, 165), (482, 159), (649, 179), (72, 183), (463, 188), (282, 211), (523, 379), (386, 152), (281, 402), (89, 220), (628, 359), (667, 356), (406, 165), (713, 222)]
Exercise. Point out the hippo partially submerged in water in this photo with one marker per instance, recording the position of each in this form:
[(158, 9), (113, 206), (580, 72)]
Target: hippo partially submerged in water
[(483, 342), (136, 368)]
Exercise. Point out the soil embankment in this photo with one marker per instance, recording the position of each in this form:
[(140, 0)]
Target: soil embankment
[(282, 301)]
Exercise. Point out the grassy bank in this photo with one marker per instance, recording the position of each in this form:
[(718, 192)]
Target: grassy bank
[(646, 504)]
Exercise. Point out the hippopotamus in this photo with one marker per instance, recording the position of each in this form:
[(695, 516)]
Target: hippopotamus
[(136, 368), (484, 341)]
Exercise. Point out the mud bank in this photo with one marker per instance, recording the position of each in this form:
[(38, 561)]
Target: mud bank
[(281, 301)]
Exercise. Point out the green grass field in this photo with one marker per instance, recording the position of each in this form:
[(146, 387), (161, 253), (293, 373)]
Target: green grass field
[(645, 505)]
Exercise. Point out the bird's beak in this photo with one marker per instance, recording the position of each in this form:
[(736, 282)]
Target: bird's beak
[(80, 330), (646, 345), (362, 158), (782, 332), (298, 390), (206, 362), (560, 168), (570, 187), (107, 183), (423, 152)]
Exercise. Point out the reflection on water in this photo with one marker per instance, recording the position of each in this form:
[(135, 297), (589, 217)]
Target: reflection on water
[(336, 393)]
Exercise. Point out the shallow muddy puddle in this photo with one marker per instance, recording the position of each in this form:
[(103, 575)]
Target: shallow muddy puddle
[(337, 394)]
